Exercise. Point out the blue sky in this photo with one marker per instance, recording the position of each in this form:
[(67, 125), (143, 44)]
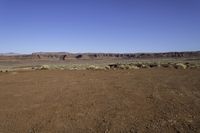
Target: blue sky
[(99, 25)]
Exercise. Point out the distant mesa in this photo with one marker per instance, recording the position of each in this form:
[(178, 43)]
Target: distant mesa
[(86, 56), (79, 56), (9, 54), (66, 56)]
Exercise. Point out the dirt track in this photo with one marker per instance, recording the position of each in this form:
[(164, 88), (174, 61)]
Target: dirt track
[(135, 101)]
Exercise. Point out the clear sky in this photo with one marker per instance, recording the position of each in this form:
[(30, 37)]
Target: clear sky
[(99, 25)]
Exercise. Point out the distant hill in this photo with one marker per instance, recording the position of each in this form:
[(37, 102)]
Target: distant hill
[(50, 53)]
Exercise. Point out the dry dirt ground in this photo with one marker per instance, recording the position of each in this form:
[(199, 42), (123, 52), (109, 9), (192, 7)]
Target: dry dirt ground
[(121, 101)]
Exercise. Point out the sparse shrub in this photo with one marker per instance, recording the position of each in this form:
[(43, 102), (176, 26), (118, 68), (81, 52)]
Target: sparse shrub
[(122, 66), (180, 66), (114, 66), (139, 65), (107, 67), (45, 67), (92, 67), (133, 67), (144, 66), (153, 65), (165, 65), (192, 66)]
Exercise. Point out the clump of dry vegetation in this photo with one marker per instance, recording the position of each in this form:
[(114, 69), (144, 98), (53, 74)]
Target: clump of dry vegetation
[(152, 65), (92, 67), (180, 66), (45, 67), (95, 67)]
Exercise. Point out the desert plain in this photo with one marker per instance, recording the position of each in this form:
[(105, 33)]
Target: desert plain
[(101, 93)]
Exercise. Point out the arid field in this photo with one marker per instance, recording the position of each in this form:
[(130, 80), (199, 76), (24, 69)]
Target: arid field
[(154, 100), (100, 93)]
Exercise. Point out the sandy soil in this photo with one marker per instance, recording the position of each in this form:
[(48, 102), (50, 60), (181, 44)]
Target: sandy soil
[(135, 101)]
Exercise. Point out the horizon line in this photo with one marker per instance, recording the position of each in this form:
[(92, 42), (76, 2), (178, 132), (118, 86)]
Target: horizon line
[(147, 52)]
